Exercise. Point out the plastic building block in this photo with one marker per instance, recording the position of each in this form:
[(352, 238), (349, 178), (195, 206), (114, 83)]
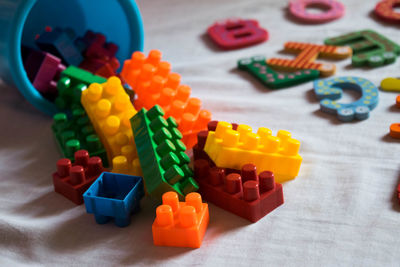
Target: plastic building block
[(80, 76), (109, 109), (115, 196), (42, 70), (385, 10), (125, 165), (390, 84), (230, 148), (59, 43), (153, 84), (330, 90), (237, 33), (369, 48), (72, 180), (307, 53), (198, 149), (247, 194), (99, 55), (161, 154), (398, 192), (258, 67), (77, 133), (333, 9), (70, 86), (395, 127), (180, 224)]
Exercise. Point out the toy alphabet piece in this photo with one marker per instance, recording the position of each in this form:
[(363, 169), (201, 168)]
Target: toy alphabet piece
[(330, 90), (258, 68), (307, 54), (385, 10), (332, 10), (369, 48), (237, 33)]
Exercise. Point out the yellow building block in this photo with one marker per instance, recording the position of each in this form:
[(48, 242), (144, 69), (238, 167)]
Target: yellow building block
[(390, 84), (233, 149), (109, 109)]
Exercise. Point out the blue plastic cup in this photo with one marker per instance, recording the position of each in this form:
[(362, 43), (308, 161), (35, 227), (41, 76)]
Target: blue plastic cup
[(21, 20)]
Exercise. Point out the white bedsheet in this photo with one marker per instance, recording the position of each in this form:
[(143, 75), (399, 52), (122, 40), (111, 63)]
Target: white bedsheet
[(341, 209)]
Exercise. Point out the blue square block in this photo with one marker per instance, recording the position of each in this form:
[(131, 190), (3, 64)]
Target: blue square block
[(60, 43), (115, 196)]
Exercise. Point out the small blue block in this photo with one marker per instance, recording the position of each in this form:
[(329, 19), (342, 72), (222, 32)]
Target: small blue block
[(114, 196), (61, 44)]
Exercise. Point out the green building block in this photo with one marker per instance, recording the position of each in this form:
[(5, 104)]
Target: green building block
[(162, 154), (258, 67), (369, 48), (77, 133), (71, 84)]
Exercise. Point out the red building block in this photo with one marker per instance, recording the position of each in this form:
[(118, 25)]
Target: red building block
[(72, 180), (237, 33), (248, 195)]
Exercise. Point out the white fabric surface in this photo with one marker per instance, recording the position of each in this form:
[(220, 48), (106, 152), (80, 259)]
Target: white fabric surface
[(341, 210)]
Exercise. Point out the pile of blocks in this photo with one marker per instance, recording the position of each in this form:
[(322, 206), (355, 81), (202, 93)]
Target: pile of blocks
[(127, 136)]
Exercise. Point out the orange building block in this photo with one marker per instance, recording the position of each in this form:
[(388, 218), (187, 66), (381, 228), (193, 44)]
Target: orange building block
[(153, 83), (395, 127), (307, 54), (180, 224)]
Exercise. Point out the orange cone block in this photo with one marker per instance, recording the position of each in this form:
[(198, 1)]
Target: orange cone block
[(180, 224)]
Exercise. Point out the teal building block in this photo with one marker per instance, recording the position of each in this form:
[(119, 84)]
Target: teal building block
[(162, 154), (369, 48), (329, 90), (258, 67), (77, 133)]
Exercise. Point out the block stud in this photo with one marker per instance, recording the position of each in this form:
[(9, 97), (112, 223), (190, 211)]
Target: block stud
[(183, 92), (174, 174), (173, 80), (81, 158), (252, 141), (95, 166), (249, 173), (94, 92), (154, 57), (267, 181), (164, 68), (161, 135), (187, 216), (171, 199), (164, 215), (77, 175), (230, 138), (221, 128), (103, 108), (155, 112), (212, 126), (251, 191), (187, 122), (165, 147), (201, 139), (63, 167), (168, 160), (233, 183), (120, 164), (216, 176), (112, 85), (112, 125)]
